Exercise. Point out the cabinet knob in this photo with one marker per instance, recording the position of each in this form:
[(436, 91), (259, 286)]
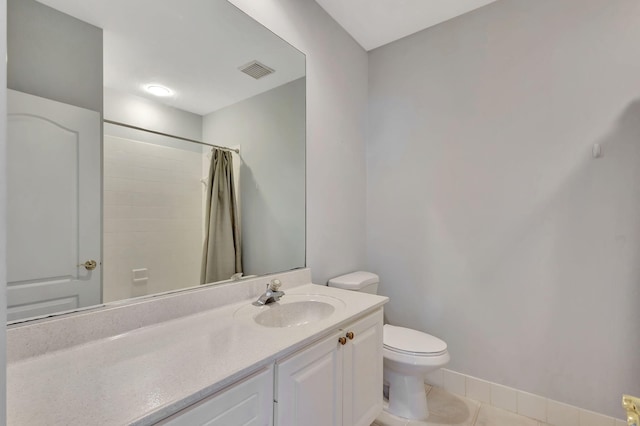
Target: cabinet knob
[(342, 340), (350, 335)]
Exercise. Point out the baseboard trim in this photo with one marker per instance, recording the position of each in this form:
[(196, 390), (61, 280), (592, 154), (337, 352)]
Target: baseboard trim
[(537, 407)]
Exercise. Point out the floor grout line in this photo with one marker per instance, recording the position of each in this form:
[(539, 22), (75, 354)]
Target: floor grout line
[(475, 417)]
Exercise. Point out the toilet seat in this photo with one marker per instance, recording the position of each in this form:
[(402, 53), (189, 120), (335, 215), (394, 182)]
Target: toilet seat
[(416, 354), (406, 341)]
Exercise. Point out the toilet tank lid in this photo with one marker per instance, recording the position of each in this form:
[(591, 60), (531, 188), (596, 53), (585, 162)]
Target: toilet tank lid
[(354, 280)]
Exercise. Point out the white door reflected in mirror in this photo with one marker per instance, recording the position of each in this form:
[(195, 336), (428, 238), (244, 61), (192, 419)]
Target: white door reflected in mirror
[(54, 150)]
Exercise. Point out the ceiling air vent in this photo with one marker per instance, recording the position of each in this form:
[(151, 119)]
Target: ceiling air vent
[(256, 70)]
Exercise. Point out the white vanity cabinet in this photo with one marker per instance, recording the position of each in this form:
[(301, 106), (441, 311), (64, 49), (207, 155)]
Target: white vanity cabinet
[(248, 402), (362, 376), (337, 381)]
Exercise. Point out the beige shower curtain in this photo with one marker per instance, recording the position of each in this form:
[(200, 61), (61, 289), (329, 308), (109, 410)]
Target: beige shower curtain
[(222, 255)]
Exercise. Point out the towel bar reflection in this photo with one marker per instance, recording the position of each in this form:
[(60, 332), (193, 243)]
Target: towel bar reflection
[(117, 123)]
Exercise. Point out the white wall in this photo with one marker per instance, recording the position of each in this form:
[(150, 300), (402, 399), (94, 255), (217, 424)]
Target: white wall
[(336, 127), (488, 221), (269, 128), (3, 213), (152, 218)]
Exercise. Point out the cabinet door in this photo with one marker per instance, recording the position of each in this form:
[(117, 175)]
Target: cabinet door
[(362, 383), (247, 403), (309, 386)]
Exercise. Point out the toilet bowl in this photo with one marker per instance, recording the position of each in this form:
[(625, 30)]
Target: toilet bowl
[(408, 355)]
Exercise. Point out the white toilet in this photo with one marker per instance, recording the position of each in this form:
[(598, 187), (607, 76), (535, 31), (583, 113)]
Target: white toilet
[(408, 355)]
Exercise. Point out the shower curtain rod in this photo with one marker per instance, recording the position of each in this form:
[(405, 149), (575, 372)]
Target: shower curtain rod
[(117, 123)]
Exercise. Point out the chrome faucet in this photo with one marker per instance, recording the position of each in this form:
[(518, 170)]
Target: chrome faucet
[(271, 294)]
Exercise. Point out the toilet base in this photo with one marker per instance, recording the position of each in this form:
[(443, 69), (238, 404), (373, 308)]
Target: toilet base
[(407, 396)]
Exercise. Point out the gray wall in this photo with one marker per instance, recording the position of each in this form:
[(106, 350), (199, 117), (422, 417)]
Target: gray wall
[(3, 215), (336, 128), (270, 130), (489, 222), (41, 38)]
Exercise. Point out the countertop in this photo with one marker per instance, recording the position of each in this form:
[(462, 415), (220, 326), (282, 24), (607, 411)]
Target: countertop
[(145, 375)]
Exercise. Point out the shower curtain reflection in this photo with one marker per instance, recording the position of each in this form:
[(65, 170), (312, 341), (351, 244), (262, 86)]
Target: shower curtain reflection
[(222, 253)]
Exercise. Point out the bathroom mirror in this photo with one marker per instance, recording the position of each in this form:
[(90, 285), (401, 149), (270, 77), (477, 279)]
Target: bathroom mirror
[(117, 111)]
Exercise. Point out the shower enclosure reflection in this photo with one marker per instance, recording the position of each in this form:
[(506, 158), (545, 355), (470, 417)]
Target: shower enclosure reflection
[(155, 194)]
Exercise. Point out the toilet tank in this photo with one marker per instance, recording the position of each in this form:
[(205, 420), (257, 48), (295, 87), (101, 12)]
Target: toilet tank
[(362, 281)]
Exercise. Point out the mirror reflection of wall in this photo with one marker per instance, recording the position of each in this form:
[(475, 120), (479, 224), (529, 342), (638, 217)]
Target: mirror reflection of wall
[(268, 128), (150, 230)]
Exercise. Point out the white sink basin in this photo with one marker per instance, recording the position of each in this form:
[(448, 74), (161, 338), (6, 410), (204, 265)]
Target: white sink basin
[(292, 314), (292, 310)]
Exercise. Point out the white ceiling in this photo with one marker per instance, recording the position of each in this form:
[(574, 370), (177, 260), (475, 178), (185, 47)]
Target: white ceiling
[(374, 23), (191, 46)]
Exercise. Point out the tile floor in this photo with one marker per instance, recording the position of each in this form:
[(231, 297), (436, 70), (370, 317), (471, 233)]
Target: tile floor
[(447, 409)]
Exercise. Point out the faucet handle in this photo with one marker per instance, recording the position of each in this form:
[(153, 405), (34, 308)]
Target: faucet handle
[(275, 284)]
